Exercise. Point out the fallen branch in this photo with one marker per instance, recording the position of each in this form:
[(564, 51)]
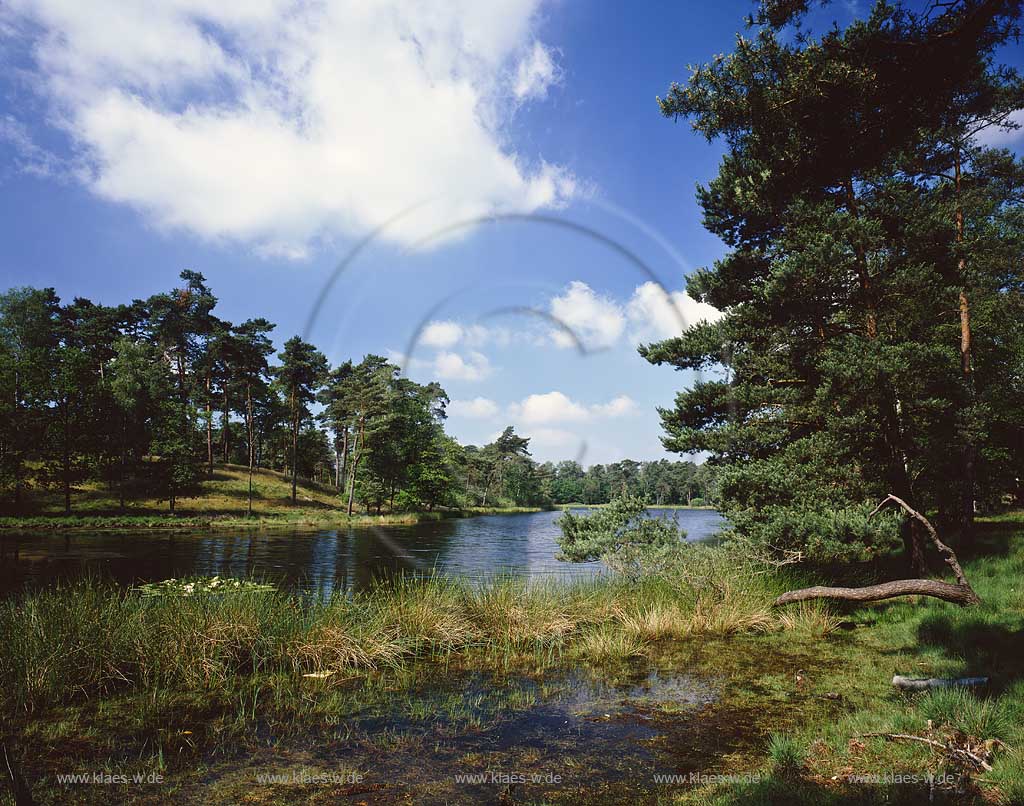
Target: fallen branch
[(961, 593), (923, 684), (886, 590), (950, 748)]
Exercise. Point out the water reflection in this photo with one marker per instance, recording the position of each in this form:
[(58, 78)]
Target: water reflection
[(318, 562)]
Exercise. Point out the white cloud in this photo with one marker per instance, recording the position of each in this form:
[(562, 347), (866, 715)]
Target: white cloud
[(536, 72), (441, 334), (593, 320), (548, 408), (618, 407), (555, 407), (452, 366), (447, 333), (278, 123), (655, 313), (479, 408), (994, 137)]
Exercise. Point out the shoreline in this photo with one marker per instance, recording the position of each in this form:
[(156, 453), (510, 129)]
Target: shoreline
[(283, 521)]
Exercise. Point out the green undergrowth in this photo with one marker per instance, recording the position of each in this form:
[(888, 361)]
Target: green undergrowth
[(837, 761)]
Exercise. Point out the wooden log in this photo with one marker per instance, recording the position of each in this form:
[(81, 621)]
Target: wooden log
[(961, 593), (925, 683), (958, 594)]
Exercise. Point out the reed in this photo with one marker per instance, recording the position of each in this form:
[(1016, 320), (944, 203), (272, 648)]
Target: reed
[(90, 639)]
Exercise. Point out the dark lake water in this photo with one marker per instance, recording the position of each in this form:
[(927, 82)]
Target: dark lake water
[(314, 561)]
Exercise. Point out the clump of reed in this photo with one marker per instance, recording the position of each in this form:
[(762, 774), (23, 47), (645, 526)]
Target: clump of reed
[(609, 645)]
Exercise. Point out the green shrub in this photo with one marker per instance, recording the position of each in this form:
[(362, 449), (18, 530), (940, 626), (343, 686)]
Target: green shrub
[(623, 536)]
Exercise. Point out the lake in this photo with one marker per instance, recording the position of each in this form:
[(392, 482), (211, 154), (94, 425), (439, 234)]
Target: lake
[(314, 561)]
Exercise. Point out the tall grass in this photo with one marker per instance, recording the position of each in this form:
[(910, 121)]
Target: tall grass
[(92, 639)]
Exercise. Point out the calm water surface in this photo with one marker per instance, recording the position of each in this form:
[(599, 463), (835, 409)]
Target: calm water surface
[(319, 561)]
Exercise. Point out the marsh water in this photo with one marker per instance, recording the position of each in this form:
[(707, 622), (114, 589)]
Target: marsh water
[(314, 561), (544, 728)]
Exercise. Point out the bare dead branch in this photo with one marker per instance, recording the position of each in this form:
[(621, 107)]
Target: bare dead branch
[(949, 747), (961, 593)]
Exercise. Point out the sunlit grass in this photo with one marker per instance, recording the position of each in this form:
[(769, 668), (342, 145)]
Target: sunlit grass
[(217, 500)]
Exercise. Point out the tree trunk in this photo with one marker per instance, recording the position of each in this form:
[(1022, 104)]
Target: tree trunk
[(926, 683), (961, 593), (356, 455), (225, 429), (344, 457), (295, 445), (124, 452), (66, 461), (209, 429), (863, 277), (887, 590), (249, 431), (969, 450)]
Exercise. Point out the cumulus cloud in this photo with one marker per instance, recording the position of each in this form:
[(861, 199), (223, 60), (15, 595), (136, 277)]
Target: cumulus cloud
[(479, 408), (589, 318), (451, 366), (557, 407), (279, 123), (655, 314), (441, 334), (548, 408), (618, 407), (448, 333), (598, 321)]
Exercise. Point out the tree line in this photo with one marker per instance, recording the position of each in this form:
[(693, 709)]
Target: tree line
[(873, 336), (150, 395)]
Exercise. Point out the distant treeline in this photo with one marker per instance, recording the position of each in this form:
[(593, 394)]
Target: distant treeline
[(151, 394), (659, 483)]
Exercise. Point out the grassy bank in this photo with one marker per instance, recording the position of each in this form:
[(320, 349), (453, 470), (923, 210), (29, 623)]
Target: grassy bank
[(219, 501), (200, 686), (853, 758)]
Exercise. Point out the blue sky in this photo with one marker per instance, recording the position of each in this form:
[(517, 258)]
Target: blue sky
[(260, 143)]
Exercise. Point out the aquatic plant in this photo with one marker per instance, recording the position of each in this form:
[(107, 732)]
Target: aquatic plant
[(203, 585)]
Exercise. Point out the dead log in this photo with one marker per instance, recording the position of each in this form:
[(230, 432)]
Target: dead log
[(961, 593), (886, 590), (925, 683)]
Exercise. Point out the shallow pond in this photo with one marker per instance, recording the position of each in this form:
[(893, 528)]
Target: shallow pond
[(624, 735), (319, 561)]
